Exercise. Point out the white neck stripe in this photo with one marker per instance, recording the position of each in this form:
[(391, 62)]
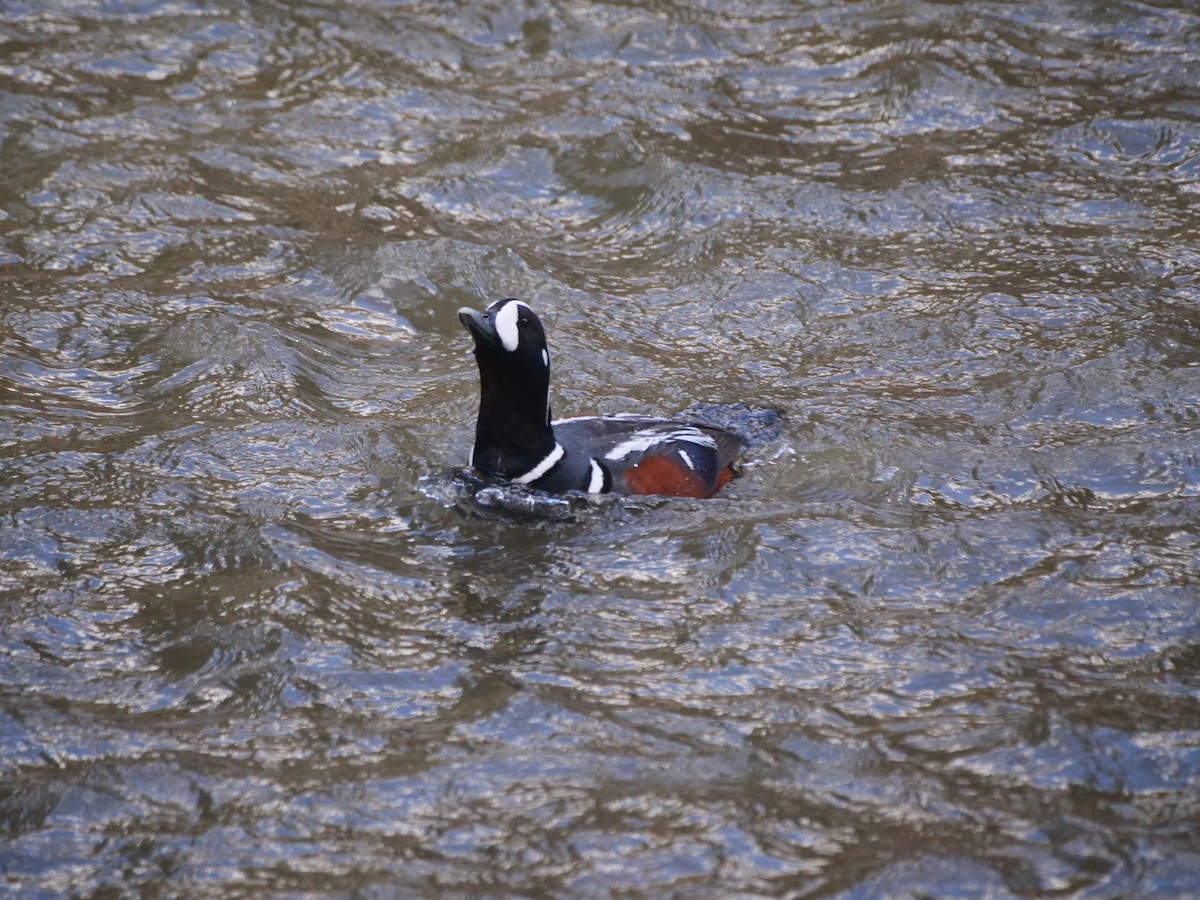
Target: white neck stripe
[(543, 467)]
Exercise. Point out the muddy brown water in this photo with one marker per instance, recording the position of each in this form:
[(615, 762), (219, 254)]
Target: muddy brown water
[(942, 638)]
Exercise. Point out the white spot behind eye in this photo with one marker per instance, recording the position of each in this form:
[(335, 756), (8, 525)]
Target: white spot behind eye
[(506, 324), (545, 358)]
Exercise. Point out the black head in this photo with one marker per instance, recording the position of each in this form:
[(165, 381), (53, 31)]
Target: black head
[(514, 387), (509, 333)]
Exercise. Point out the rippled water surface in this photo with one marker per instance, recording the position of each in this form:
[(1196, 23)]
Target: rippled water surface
[(941, 638)]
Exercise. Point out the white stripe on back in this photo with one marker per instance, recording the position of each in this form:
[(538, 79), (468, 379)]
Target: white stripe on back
[(641, 441)]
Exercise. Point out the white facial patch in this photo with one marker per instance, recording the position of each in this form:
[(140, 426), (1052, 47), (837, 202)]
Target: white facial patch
[(506, 324), (545, 359)]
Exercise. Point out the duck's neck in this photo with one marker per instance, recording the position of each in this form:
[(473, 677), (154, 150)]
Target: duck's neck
[(512, 432)]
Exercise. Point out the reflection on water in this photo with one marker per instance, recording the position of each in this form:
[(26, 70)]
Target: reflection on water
[(940, 638)]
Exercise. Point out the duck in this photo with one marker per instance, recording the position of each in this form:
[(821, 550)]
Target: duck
[(518, 441)]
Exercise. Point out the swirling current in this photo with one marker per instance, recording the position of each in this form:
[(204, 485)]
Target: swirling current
[(941, 638)]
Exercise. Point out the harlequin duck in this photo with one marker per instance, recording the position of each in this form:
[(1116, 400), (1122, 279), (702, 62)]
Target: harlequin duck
[(516, 440)]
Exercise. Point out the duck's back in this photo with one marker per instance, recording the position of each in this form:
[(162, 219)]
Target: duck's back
[(635, 454)]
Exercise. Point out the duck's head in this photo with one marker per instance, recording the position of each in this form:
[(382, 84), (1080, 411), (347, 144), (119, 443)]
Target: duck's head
[(509, 338)]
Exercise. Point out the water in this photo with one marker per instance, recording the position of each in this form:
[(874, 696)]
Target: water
[(942, 638)]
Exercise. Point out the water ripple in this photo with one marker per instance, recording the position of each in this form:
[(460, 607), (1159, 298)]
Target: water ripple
[(939, 638)]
